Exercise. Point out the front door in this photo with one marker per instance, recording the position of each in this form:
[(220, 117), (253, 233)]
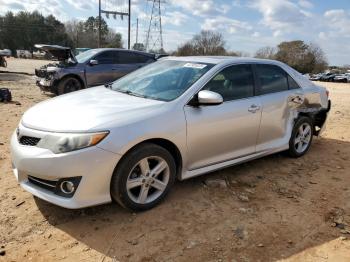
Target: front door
[(224, 132), (103, 72)]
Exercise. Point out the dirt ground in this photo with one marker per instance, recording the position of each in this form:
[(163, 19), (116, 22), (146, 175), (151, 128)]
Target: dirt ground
[(25, 66), (271, 209)]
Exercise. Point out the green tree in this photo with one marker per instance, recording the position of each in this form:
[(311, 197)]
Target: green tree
[(24, 29), (305, 58), (85, 33)]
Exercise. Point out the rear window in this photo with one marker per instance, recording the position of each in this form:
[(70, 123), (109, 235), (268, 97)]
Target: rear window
[(272, 79), (292, 83)]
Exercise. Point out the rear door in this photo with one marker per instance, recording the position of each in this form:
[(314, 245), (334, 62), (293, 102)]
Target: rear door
[(224, 132), (279, 94), (103, 72)]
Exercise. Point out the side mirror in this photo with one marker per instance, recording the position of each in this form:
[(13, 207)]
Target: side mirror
[(207, 98), (93, 62)]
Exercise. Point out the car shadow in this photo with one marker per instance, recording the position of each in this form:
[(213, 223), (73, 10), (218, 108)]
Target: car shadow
[(195, 216), (9, 76)]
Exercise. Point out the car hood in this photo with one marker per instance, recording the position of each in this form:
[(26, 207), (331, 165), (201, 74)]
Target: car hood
[(93, 109), (60, 52)]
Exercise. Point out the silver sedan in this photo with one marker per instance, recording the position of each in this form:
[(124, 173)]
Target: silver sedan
[(174, 119)]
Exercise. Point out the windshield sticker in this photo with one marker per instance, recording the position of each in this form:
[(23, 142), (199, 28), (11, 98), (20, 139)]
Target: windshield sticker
[(193, 65)]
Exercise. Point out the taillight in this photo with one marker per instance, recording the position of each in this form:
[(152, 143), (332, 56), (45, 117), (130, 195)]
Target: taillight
[(327, 93)]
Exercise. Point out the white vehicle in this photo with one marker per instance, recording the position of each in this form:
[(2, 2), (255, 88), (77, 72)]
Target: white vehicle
[(342, 78), (24, 54), (179, 117), (5, 52)]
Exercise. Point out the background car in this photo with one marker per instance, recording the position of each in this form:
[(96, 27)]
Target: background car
[(345, 78), (24, 54), (315, 77), (90, 68), (328, 77)]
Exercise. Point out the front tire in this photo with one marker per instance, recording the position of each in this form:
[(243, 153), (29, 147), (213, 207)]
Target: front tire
[(68, 85), (301, 137), (143, 177)]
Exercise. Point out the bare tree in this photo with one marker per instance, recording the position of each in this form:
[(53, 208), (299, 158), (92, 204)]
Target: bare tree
[(209, 43), (305, 58), (266, 52), (320, 62), (114, 39), (74, 29), (239, 53), (204, 43)]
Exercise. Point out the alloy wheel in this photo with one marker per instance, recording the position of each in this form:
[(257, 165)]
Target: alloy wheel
[(303, 138), (148, 179), (71, 86)]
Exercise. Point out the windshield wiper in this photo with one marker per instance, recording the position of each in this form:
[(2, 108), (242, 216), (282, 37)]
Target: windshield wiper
[(108, 85), (128, 92)]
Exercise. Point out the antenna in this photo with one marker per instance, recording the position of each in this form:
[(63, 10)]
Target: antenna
[(154, 38)]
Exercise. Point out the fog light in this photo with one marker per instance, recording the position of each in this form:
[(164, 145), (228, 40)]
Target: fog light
[(67, 187)]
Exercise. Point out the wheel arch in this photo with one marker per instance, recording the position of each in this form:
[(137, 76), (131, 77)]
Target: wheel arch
[(318, 119), (166, 144), (73, 76)]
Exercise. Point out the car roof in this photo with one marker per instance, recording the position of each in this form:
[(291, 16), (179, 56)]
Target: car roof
[(125, 50), (229, 60), (221, 59)]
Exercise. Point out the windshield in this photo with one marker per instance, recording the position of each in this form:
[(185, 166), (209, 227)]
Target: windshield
[(85, 56), (163, 80)]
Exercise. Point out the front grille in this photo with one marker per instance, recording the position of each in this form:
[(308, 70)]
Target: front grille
[(43, 183), (29, 140)]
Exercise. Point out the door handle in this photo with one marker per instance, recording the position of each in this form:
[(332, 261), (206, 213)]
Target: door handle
[(253, 108)]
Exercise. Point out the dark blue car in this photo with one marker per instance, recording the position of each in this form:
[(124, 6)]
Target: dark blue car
[(90, 68)]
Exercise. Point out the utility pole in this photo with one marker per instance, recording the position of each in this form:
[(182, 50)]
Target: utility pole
[(99, 23), (137, 30), (115, 14), (154, 39), (129, 18)]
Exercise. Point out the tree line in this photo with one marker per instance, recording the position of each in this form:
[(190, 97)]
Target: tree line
[(25, 29), (305, 58)]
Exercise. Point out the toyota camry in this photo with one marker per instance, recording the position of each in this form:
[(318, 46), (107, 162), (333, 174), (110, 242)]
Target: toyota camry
[(174, 119)]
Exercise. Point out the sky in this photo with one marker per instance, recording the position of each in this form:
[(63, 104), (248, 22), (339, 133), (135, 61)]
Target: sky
[(246, 25)]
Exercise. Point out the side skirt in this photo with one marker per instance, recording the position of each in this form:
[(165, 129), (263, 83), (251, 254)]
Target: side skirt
[(207, 169)]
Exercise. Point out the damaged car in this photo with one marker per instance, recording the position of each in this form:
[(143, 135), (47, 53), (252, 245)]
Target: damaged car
[(177, 118), (91, 68)]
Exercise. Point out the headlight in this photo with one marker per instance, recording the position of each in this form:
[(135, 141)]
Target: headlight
[(66, 142)]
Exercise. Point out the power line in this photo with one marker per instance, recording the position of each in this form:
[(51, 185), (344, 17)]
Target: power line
[(117, 11), (154, 38)]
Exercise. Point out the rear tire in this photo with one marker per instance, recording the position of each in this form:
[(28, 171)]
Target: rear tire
[(68, 85), (301, 137), (143, 177)]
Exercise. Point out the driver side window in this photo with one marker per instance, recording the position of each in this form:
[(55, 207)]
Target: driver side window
[(232, 83), (107, 57)]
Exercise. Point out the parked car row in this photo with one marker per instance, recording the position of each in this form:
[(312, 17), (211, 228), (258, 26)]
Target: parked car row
[(90, 68), (330, 77)]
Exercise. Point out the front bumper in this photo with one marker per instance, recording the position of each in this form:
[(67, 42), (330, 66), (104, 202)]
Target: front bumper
[(46, 85), (94, 165)]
